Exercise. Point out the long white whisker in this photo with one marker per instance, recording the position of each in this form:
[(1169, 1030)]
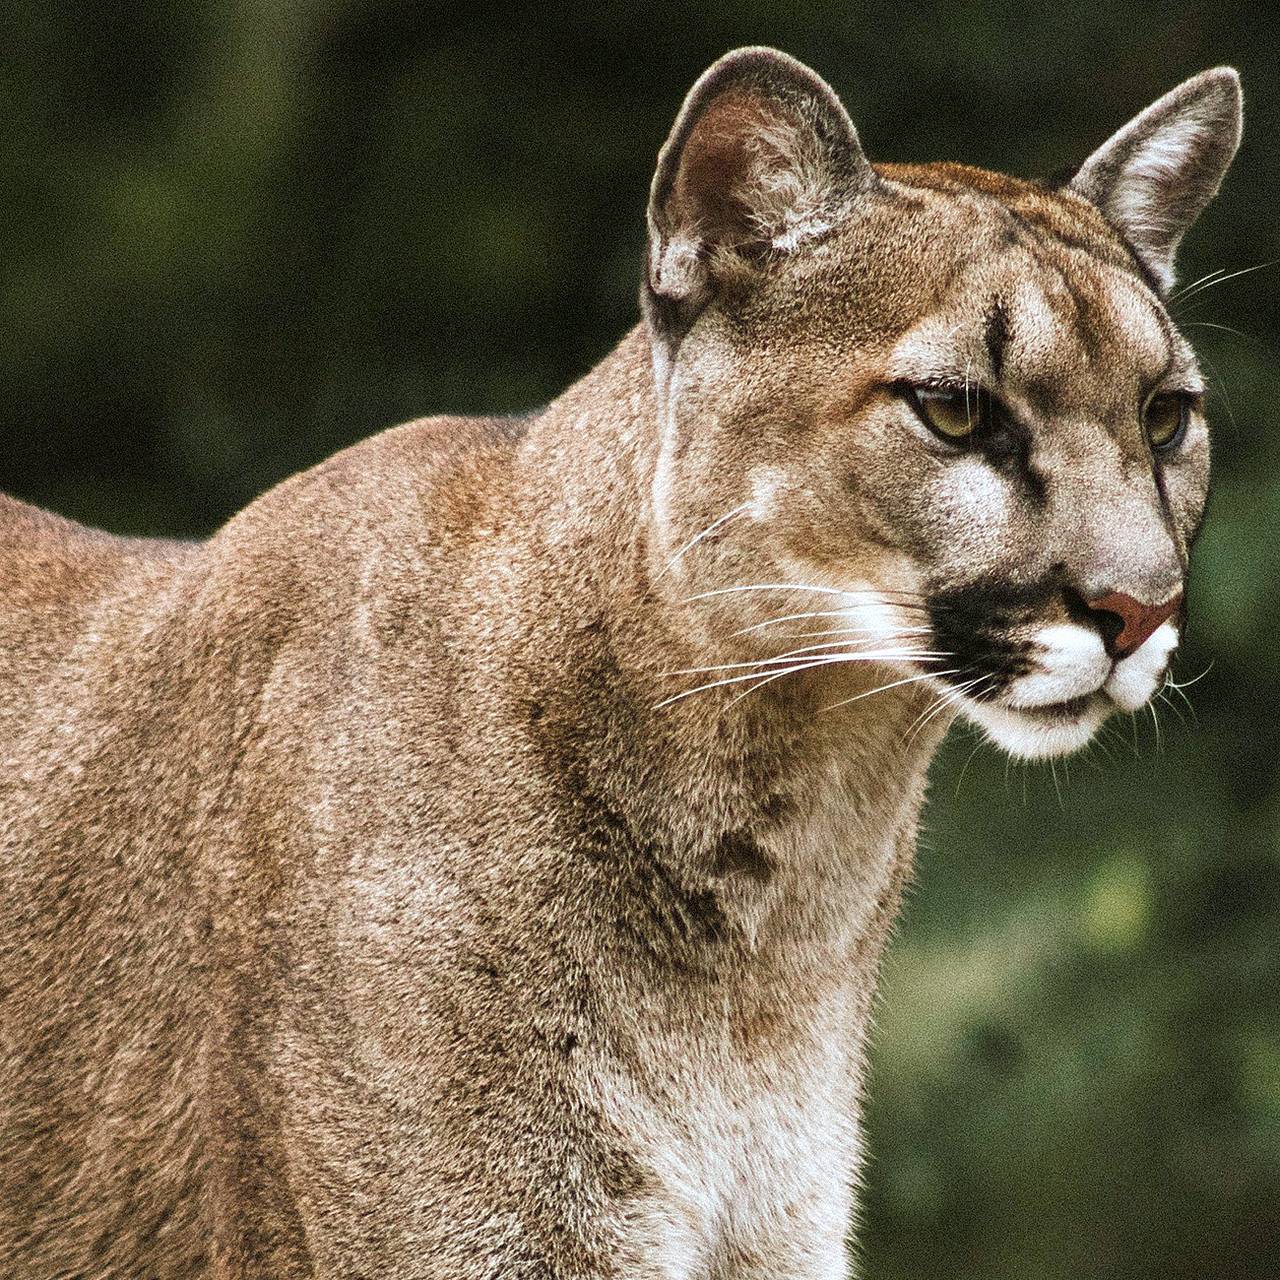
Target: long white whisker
[(798, 653), (1221, 388), (917, 726), (1162, 695), (949, 699), (716, 684), (886, 655), (792, 617), (1171, 686), (1201, 285), (1186, 684), (879, 597), (942, 700), (1186, 289), (859, 631), (1225, 328), (981, 739), (706, 533), (818, 613), (764, 586), (777, 675), (768, 679), (857, 697)]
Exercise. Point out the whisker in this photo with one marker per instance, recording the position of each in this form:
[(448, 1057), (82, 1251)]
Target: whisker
[(1189, 288), (823, 662), (777, 675), (706, 533), (792, 653), (1225, 328), (855, 596), (1186, 684), (887, 655), (766, 586), (1053, 773), (950, 697), (1195, 719), (792, 617), (859, 631), (1102, 743), (938, 705), (1163, 696), (1220, 388), (1203, 283), (967, 763), (969, 688), (857, 697), (799, 617)]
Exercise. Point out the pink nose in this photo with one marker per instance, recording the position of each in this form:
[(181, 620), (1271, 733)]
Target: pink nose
[(1139, 620)]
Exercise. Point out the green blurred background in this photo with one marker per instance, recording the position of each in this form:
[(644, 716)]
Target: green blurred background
[(237, 236)]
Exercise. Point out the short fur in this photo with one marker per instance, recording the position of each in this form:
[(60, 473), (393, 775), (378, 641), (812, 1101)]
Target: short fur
[(372, 903)]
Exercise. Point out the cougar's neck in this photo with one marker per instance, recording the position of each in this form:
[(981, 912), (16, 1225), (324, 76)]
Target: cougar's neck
[(723, 793)]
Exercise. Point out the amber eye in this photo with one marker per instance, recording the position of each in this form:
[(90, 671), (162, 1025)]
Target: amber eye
[(1165, 419), (954, 413)]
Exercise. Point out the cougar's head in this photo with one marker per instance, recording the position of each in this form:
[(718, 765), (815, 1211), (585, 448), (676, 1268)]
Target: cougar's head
[(929, 417)]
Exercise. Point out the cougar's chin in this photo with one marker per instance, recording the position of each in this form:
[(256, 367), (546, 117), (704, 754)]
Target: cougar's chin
[(1039, 733)]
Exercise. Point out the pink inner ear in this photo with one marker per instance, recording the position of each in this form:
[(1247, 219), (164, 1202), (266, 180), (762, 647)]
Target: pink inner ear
[(717, 156)]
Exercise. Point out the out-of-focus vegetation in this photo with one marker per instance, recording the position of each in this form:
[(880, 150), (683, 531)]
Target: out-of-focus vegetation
[(234, 237)]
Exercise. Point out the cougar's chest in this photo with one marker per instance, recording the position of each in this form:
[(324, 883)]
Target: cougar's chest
[(749, 1159), (747, 1116)]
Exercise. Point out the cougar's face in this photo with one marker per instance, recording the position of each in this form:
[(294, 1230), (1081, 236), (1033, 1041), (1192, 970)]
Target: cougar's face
[(964, 435), (929, 418)]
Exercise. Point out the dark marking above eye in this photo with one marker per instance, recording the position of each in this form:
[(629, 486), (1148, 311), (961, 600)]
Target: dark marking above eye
[(996, 335)]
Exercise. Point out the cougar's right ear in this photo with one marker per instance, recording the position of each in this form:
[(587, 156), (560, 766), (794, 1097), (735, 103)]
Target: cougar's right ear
[(762, 159)]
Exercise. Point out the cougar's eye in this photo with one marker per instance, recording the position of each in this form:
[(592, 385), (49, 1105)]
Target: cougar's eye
[(954, 413), (1165, 418)]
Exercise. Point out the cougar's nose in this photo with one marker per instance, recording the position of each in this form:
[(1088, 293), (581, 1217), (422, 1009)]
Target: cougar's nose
[(1137, 620)]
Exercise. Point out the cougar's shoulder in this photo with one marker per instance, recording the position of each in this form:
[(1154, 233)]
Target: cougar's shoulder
[(53, 566), (60, 582), (121, 633), (419, 489)]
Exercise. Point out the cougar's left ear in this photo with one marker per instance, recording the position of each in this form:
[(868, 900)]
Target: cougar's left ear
[(762, 159), (1153, 178)]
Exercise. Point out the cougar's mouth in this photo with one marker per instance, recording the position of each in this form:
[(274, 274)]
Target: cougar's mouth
[(1054, 695), (1067, 709), (1041, 685)]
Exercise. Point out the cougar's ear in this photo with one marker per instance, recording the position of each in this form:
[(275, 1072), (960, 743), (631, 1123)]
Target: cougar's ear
[(1153, 178), (762, 158)]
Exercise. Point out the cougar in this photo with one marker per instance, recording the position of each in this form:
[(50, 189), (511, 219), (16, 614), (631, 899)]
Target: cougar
[(475, 860)]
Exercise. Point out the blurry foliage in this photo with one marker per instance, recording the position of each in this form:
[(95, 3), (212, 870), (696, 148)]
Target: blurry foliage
[(238, 236)]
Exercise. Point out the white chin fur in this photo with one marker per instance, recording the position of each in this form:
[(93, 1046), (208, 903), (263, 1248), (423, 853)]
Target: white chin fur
[(1038, 735), (1071, 665)]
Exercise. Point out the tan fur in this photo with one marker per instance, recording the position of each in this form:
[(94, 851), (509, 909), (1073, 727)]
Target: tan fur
[(366, 908)]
